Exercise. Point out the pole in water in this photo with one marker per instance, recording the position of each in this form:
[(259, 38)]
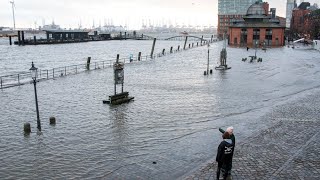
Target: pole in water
[(10, 40), (185, 43), (152, 50), (88, 63), (139, 56)]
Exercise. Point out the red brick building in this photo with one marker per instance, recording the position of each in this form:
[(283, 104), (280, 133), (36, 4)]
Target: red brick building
[(298, 19), (257, 28)]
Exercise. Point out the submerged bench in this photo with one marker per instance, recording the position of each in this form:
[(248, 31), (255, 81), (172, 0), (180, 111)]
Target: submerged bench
[(118, 98)]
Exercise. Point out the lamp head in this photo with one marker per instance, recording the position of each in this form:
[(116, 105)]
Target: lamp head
[(33, 71)]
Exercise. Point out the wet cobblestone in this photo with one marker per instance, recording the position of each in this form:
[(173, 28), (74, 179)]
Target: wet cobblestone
[(288, 149)]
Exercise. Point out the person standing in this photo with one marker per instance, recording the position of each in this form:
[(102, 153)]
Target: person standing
[(224, 156), (233, 139)]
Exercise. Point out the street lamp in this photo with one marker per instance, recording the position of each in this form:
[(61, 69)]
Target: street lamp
[(208, 59), (34, 72), (255, 53)]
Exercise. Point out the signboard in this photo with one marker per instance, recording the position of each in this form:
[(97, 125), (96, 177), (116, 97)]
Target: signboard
[(118, 73)]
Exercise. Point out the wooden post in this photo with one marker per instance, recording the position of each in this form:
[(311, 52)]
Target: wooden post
[(154, 43), (163, 51), (171, 49), (88, 63), (19, 38), (47, 36), (197, 44), (185, 43), (34, 40), (179, 48), (211, 38), (139, 56), (125, 35), (10, 40), (22, 35), (208, 62), (201, 40)]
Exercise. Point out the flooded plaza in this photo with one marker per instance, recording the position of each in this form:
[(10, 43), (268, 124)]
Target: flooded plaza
[(169, 129)]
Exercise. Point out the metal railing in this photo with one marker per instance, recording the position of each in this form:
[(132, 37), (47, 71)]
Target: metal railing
[(22, 78)]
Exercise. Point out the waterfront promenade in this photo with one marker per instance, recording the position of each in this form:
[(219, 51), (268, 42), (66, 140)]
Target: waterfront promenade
[(287, 149)]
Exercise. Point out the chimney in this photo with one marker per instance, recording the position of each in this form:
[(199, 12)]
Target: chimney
[(273, 13)]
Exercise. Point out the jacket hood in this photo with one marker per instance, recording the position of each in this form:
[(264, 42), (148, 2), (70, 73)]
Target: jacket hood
[(228, 141)]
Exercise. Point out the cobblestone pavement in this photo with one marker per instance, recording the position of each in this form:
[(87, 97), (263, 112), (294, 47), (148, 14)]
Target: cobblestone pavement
[(288, 149)]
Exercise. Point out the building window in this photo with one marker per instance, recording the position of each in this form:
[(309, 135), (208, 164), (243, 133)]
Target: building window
[(243, 37), (256, 36), (268, 38)]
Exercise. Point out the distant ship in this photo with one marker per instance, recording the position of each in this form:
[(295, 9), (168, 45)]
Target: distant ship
[(184, 33)]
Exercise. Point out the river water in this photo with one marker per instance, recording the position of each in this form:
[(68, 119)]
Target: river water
[(167, 131)]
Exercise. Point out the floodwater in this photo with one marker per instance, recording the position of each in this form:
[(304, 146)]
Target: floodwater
[(167, 131)]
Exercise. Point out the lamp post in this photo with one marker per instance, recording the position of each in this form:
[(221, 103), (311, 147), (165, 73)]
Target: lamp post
[(34, 72), (255, 53), (208, 59)]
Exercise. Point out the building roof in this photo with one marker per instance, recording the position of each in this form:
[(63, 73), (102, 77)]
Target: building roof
[(256, 25), (256, 9)]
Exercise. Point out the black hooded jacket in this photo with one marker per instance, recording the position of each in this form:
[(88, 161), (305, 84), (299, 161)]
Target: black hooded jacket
[(225, 152)]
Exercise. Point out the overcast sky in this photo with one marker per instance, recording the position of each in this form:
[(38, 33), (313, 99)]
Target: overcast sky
[(69, 13)]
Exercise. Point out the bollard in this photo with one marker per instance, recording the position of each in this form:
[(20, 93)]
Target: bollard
[(179, 48), (154, 43), (197, 44), (192, 44), (10, 40), (205, 73), (34, 40), (210, 71), (139, 56), (27, 128), (189, 46), (88, 63), (163, 51), (125, 35), (171, 49), (52, 120)]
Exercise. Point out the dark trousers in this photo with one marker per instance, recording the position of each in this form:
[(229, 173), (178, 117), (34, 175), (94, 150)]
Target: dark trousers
[(225, 169)]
